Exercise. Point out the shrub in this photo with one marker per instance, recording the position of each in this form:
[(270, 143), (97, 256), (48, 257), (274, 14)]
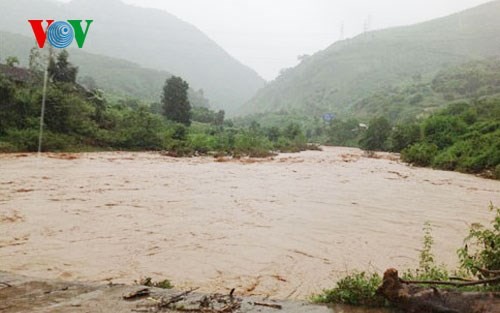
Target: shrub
[(481, 248), (443, 131), (427, 268), (252, 145), (375, 138), (202, 143), (403, 136), (148, 282), (6, 147), (421, 154), (355, 289)]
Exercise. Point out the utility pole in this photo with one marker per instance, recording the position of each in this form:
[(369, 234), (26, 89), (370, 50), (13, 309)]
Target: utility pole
[(367, 24), (44, 97)]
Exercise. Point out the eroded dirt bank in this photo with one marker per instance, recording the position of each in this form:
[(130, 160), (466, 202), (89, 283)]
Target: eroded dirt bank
[(284, 228), (23, 294)]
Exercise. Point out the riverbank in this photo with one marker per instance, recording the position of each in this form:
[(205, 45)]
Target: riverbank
[(24, 294)]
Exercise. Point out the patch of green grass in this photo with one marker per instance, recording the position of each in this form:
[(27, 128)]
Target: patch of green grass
[(148, 282), (356, 289)]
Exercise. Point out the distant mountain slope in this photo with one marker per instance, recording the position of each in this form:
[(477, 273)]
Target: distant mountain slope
[(149, 37), (348, 71), (115, 76), (462, 83)]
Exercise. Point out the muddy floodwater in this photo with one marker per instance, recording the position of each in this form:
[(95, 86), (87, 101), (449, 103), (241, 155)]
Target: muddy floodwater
[(285, 227)]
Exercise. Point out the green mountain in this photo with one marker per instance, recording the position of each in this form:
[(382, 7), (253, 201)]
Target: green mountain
[(466, 82), (149, 37), (338, 78), (118, 78)]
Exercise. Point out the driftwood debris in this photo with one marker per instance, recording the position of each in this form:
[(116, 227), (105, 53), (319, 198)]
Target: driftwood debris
[(414, 299), (187, 302), (143, 292), (269, 305)]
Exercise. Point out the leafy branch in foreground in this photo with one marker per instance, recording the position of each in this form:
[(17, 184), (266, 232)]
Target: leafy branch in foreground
[(480, 256), (355, 289)]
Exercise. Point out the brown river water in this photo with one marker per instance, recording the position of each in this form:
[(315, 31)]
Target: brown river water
[(285, 227)]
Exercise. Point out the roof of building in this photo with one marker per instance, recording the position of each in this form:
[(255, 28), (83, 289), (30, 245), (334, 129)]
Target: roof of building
[(17, 74)]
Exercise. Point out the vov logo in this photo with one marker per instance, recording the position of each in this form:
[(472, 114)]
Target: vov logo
[(60, 34)]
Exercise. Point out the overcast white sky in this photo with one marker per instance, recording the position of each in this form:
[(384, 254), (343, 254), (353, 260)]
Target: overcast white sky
[(268, 35)]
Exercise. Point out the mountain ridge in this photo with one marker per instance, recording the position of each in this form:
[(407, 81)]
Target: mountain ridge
[(116, 77), (151, 38), (345, 72)]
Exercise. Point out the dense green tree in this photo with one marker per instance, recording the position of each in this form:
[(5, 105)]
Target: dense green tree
[(219, 118), (140, 129), (176, 106), (292, 131), (375, 138), (421, 154), (273, 133), (443, 130), (205, 115), (12, 61), (404, 135), (343, 133), (7, 106), (61, 70)]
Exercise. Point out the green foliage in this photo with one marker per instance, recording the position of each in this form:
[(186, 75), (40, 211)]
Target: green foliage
[(176, 106), (481, 248), (360, 288), (338, 77), (139, 130), (471, 80), (27, 140), (356, 289), (404, 135), (427, 270), (463, 137), (61, 70), (442, 130), (202, 143), (420, 154), (481, 251), (343, 133), (252, 144), (148, 282), (205, 115), (375, 138), (12, 61)]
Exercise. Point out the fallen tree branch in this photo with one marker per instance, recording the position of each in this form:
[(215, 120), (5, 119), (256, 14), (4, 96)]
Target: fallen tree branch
[(487, 272), (420, 299), (451, 283), (175, 299), (269, 305), (459, 278)]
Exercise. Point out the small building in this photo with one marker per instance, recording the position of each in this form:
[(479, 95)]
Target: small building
[(18, 75)]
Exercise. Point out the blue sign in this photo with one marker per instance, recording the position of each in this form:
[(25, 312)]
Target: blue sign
[(328, 117)]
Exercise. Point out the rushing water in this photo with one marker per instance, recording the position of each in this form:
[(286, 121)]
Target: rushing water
[(286, 227)]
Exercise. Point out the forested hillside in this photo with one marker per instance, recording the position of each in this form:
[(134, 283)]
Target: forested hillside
[(117, 77), (81, 118), (337, 78), (149, 37)]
